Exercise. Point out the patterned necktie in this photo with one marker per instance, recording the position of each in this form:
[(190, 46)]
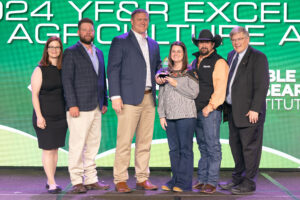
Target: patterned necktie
[(231, 71), (143, 35)]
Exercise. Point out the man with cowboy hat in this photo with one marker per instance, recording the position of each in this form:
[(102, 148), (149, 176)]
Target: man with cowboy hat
[(212, 71)]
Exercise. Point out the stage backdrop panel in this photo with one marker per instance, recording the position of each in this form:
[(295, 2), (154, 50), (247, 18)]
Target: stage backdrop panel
[(26, 25)]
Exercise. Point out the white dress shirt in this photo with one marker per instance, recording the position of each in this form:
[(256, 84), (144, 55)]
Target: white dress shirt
[(144, 47), (241, 55)]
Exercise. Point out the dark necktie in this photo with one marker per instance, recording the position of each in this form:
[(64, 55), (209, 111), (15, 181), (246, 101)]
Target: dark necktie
[(231, 71)]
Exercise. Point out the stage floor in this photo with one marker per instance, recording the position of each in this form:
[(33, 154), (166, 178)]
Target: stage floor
[(29, 183)]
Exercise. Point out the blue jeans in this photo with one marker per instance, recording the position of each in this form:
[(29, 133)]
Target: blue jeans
[(180, 134), (208, 139)]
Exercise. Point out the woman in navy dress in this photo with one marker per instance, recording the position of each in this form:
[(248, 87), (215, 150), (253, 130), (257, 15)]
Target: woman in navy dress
[(49, 117)]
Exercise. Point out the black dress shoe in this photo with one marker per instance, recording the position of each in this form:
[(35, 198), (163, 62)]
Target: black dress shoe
[(227, 186), (54, 191), (57, 187), (242, 190)]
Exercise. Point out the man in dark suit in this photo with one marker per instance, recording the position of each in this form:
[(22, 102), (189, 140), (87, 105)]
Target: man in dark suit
[(84, 82), (133, 62), (248, 82)]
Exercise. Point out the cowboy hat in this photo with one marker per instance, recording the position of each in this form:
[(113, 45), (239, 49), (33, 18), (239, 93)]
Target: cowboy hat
[(206, 35)]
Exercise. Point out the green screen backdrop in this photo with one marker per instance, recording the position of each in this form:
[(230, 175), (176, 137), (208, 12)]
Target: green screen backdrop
[(25, 26)]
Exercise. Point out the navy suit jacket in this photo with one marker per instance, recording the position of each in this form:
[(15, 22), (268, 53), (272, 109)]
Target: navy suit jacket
[(249, 87), (82, 86), (126, 68)]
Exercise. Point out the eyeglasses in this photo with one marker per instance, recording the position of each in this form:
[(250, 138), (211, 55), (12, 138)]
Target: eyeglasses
[(237, 40), (52, 47)]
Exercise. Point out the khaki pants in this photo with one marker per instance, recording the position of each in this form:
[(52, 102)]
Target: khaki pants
[(139, 119), (84, 142)]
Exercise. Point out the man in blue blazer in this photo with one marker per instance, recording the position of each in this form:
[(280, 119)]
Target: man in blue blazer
[(84, 83), (133, 62), (245, 110)]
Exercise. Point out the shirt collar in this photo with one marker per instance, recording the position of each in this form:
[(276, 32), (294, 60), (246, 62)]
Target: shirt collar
[(92, 44), (139, 36), (241, 55)]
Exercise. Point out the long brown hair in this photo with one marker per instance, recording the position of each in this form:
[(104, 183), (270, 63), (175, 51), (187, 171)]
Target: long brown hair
[(45, 58), (185, 57)]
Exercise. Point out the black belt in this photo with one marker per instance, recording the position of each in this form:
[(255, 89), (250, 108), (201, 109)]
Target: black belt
[(229, 106)]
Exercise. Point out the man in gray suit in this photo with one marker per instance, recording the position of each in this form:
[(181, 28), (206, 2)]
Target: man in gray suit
[(132, 64), (84, 82)]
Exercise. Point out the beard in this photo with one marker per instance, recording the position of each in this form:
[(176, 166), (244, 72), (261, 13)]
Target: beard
[(204, 51), (85, 41)]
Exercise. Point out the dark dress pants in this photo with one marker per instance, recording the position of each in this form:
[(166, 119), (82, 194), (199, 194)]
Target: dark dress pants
[(246, 148)]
